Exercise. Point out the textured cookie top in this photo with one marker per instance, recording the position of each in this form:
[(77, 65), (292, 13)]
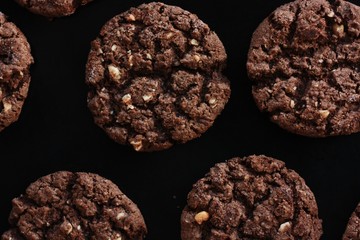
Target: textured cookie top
[(15, 61), (52, 8), (303, 61), (254, 197), (66, 205), (352, 231), (155, 77)]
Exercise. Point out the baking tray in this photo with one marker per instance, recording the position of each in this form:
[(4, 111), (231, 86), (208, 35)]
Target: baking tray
[(56, 130)]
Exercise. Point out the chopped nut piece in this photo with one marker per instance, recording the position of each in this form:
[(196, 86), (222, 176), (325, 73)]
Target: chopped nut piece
[(294, 88), (202, 217), (137, 144), (320, 60), (67, 227), (126, 98), (147, 98), (169, 35), (119, 238), (284, 227), (338, 29), (100, 51), (194, 42), (324, 113), (212, 101), (330, 14), (7, 106), (148, 56), (114, 72), (78, 227), (131, 60), (292, 104), (121, 215), (21, 74), (113, 48), (118, 33), (131, 107), (131, 18), (197, 58)]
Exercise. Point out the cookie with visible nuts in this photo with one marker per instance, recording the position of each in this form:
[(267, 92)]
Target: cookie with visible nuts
[(15, 61), (66, 205), (254, 197), (352, 231), (155, 77), (52, 8), (303, 62)]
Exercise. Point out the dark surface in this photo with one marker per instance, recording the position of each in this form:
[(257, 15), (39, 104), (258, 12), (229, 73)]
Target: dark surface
[(56, 130)]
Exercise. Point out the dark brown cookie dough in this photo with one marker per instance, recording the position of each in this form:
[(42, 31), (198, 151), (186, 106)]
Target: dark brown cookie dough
[(80, 206), (52, 8), (304, 63), (352, 231), (15, 61), (155, 77), (254, 197)]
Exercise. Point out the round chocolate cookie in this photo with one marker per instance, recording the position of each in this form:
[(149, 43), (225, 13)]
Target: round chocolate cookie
[(52, 8), (15, 61), (304, 64), (80, 206), (155, 77), (254, 197), (352, 231)]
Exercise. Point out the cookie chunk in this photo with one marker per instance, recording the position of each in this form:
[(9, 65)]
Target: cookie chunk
[(303, 62), (254, 197), (155, 77), (66, 205), (15, 61), (352, 231), (52, 8)]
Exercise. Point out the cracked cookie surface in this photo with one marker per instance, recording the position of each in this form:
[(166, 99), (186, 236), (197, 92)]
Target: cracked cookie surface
[(254, 197), (155, 77), (303, 62), (352, 231), (52, 8), (15, 61), (66, 205)]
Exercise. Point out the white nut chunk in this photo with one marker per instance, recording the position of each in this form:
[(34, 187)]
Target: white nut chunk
[(284, 227), (137, 144), (292, 104), (202, 217), (194, 42), (338, 29), (67, 227), (114, 72), (7, 106), (126, 98), (324, 113), (147, 98), (130, 17)]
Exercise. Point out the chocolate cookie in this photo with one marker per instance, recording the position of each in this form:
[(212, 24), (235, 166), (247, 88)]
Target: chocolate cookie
[(15, 61), (155, 77), (66, 205), (352, 231), (254, 197), (303, 61), (52, 8)]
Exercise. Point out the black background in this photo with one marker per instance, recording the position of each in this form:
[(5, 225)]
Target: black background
[(56, 131)]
